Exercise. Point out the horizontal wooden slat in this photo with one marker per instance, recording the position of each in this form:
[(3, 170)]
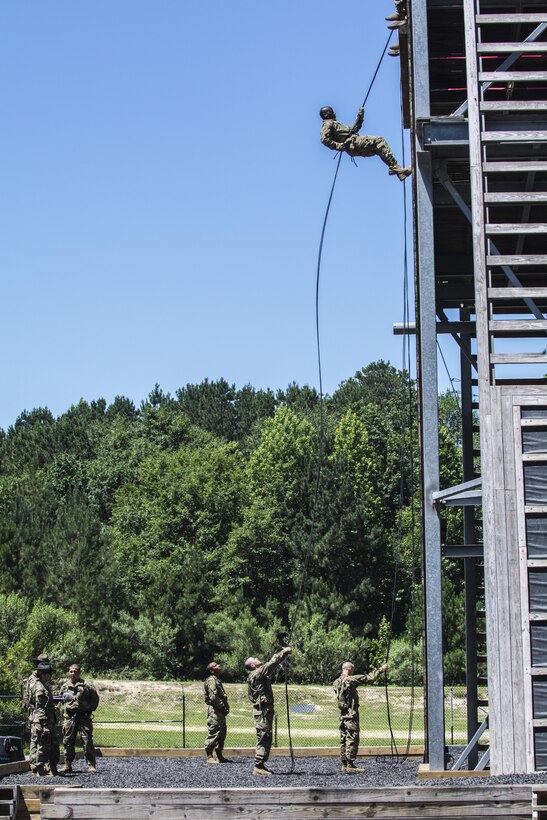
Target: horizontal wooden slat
[(515, 166), (515, 259), (517, 326), (511, 48), (538, 563), (514, 136), (534, 457), (517, 293), (516, 227), (499, 197), (536, 509), (528, 17), (538, 671), (513, 105), (533, 422), (518, 358), (455, 803), (512, 76), (537, 617)]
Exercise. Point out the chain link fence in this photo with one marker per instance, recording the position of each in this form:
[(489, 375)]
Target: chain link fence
[(150, 715)]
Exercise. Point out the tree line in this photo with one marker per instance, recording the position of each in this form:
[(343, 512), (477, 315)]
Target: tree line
[(144, 541)]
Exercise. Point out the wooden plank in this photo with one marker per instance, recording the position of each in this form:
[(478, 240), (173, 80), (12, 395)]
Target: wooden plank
[(517, 326), (533, 422), (296, 795), (513, 76), (14, 768), (513, 105), (341, 811), (516, 227), (535, 457), (248, 751), (534, 46), (517, 293), (518, 358), (425, 773), (538, 671), (517, 259), (512, 197), (514, 166), (528, 17), (514, 136)]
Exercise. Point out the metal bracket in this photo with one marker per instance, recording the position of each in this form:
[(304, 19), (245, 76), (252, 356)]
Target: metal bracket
[(458, 765)]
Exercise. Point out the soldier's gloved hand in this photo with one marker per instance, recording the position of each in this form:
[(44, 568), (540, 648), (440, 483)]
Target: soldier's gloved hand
[(68, 696)]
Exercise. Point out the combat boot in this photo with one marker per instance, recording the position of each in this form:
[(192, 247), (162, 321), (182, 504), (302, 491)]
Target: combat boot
[(351, 767), (222, 759), (39, 771), (394, 16), (261, 769), (66, 769), (212, 759), (343, 765), (402, 173), (91, 768), (394, 51), (396, 24)]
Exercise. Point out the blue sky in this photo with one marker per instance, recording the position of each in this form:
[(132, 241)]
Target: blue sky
[(163, 193)]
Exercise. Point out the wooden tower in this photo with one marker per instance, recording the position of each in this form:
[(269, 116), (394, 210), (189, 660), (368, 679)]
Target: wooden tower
[(475, 73)]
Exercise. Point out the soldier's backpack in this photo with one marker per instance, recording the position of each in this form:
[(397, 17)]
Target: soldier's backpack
[(92, 696)]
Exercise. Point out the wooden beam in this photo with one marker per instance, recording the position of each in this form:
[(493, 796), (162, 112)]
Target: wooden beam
[(517, 326), (450, 802), (518, 358), (516, 227), (514, 259), (514, 136), (513, 76), (248, 751), (513, 105), (510, 197), (514, 166), (529, 17), (14, 768), (535, 46), (517, 293)]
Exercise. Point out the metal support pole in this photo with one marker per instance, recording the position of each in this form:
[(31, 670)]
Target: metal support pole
[(470, 564), (183, 720)]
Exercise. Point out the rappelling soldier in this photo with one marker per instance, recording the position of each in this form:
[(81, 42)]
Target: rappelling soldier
[(348, 703), (261, 696), (80, 699), (44, 744), (217, 710), (339, 137)]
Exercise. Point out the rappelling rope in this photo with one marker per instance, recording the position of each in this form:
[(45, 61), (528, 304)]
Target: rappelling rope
[(320, 445)]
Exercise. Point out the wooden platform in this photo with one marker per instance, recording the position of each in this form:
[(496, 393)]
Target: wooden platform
[(425, 773), (299, 751), (413, 803)]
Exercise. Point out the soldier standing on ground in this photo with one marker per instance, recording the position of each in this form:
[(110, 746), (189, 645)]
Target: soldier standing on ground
[(339, 137), (261, 696), (80, 701), (348, 703), (217, 709), (44, 745)]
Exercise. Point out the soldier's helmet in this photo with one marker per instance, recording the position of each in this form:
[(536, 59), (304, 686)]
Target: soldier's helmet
[(44, 667), (326, 113), (42, 659)]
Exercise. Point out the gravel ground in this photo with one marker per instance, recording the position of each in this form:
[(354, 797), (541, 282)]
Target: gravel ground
[(194, 772), (318, 772)]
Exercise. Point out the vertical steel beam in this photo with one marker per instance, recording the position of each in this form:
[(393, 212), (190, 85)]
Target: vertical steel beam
[(427, 364), (470, 564)]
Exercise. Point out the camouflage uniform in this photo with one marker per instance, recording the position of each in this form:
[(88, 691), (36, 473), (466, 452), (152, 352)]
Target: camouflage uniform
[(334, 135), (77, 720), (217, 709), (261, 696), (44, 745), (348, 703)]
